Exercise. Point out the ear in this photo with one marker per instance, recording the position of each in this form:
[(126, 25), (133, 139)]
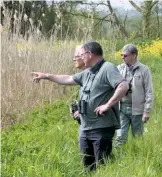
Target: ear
[(135, 56), (90, 55)]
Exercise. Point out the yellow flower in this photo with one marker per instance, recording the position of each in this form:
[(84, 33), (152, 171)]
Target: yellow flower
[(154, 49)]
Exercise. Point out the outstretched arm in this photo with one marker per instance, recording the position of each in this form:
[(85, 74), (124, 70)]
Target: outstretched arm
[(59, 79)]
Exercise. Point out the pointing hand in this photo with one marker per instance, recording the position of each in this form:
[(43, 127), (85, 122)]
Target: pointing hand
[(38, 76)]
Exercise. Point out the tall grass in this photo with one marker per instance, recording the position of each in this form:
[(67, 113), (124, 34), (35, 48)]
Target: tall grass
[(45, 144), (20, 57)]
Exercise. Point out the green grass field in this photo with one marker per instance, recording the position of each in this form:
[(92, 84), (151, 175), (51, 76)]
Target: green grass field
[(46, 144)]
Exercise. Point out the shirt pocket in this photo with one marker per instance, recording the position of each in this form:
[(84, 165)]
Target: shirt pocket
[(137, 79)]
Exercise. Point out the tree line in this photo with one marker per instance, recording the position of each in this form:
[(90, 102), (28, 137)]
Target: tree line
[(68, 19)]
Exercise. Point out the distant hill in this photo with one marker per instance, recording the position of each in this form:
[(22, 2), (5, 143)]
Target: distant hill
[(131, 12), (122, 13)]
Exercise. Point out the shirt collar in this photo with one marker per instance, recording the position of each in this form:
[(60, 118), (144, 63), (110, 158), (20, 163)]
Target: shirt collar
[(134, 66), (97, 66)]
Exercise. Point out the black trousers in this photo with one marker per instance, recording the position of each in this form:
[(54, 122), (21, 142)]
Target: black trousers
[(95, 145)]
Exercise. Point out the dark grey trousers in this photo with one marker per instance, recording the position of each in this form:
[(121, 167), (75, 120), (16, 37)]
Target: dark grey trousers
[(95, 145)]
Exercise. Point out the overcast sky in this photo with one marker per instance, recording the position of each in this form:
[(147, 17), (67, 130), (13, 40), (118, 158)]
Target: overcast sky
[(123, 3), (120, 3), (114, 3)]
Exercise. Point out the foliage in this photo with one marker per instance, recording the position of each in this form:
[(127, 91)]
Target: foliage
[(150, 48), (74, 19), (48, 18)]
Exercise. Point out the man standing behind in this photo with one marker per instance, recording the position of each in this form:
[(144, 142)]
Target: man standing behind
[(102, 89), (136, 106), (78, 59), (80, 65)]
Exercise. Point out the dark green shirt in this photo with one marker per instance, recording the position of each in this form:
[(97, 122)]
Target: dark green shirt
[(101, 84)]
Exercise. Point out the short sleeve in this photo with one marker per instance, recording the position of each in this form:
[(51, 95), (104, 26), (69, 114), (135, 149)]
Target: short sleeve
[(78, 78), (113, 75)]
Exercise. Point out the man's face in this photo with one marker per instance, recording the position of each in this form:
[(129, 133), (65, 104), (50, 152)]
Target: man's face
[(86, 57), (128, 58), (78, 59)]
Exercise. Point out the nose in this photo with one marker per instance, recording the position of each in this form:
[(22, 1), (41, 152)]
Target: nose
[(75, 58)]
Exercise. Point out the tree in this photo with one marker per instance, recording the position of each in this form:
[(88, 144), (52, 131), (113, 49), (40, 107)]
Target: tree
[(117, 21), (146, 9), (55, 17)]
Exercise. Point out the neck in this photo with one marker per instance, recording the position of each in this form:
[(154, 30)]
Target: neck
[(96, 60), (132, 63), (83, 68)]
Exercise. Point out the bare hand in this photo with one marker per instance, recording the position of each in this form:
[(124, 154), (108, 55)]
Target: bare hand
[(38, 76), (145, 117), (76, 114), (101, 109)]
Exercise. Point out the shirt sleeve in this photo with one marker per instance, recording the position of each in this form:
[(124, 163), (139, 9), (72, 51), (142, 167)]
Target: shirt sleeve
[(149, 96), (78, 78), (113, 75)]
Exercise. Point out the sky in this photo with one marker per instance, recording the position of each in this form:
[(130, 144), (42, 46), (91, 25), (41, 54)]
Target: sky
[(123, 3), (120, 3), (115, 3)]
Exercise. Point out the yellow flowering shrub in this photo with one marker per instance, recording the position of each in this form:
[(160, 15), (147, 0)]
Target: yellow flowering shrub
[(154, 49)]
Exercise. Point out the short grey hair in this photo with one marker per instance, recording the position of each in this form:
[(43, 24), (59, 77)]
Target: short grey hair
[(131, 48), (93, 47)]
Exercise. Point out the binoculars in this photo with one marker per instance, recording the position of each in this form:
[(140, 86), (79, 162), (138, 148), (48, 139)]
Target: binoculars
[(80, 106), (73, 108)]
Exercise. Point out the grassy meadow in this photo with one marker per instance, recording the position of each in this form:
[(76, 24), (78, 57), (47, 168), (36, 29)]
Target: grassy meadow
[(39, 137)]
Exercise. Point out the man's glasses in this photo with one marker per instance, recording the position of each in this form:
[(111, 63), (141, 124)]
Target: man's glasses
[(77, 57), (84, 53), (124, 55)]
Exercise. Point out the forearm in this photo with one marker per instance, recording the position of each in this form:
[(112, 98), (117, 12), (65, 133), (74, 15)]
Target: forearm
[(120, 92), (61, 79)]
